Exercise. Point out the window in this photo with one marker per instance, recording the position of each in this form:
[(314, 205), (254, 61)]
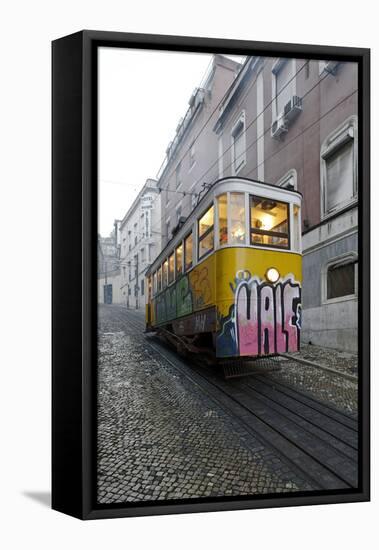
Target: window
[(155, 283), (289, 180), (220, 158), (339, 168), (239, 144), (135, 233), (222, 204), (188, 252), (192, 159), (150, 251), (283, 84), (164, 273), (142, 287), (193, 200), (269, 222), (178, 176), (340, 278), (179, 260), (168, 229), (237, 218), (339, 176), (327, 67), (147, 225), (178, 213), (206, 232), (306, 69), (171, 272), (142, 254), (159, 279), (136, 266)]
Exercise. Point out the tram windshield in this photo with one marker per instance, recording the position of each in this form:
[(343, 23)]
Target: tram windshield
[(269, 222)]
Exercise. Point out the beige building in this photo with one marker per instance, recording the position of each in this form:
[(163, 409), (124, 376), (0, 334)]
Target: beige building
[(191, 158)]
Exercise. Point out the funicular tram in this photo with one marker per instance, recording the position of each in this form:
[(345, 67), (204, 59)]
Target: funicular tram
[(228, 284)]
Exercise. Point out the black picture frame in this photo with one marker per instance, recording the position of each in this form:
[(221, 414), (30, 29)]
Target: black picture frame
[(74, 294)]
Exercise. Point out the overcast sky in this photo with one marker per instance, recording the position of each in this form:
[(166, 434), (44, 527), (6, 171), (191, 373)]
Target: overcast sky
[(142, 96)]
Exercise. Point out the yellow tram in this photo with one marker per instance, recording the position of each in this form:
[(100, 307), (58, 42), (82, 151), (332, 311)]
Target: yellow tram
[(229, 281)]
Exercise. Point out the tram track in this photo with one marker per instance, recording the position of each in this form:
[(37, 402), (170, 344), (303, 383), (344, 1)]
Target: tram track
[(319, 441)]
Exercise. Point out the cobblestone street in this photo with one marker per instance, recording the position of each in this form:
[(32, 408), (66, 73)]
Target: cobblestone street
[(163, 435)]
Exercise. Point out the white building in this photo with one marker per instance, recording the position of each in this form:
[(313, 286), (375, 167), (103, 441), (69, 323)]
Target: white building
[(140, 242)]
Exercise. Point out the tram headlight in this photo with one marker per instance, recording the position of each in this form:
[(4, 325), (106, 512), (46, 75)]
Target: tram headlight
[(272, 275)]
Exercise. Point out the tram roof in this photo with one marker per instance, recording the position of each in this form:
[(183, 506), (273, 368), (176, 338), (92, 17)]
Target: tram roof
[(182, 232)]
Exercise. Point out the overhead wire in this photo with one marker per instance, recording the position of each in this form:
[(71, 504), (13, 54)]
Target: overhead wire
[(245, 130)]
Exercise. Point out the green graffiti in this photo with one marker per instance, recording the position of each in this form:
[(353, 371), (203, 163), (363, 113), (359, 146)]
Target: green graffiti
[(170, 298), (175, 301), (183, 297)]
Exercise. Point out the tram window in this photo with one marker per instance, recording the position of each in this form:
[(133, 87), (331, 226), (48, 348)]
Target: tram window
[(155, 283), (171, 273), (188, 252), (206, 232), (237, 218), (223, 219), (179, 260), (164, 273), (296, 228), (269, 222), (159, 279)]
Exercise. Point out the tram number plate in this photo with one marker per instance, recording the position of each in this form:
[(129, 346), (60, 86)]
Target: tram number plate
[(202, 321)]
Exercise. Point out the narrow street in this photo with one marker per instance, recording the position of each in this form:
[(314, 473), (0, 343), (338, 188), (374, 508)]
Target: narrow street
[(168, 429)]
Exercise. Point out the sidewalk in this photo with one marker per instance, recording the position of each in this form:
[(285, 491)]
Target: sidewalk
[(341, 361)]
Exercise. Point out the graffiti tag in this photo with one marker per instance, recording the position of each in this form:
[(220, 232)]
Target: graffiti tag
[(264, 319)]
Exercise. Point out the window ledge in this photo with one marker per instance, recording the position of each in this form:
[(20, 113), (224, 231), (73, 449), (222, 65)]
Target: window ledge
[(347, 298), (341, 208)]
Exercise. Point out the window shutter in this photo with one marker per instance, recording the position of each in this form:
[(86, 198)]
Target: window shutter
[(339, 176)]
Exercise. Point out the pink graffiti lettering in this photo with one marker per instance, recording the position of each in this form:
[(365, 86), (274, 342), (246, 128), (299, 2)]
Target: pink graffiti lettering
[(267, 317)]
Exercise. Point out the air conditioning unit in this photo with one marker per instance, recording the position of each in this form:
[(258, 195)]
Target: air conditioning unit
[(330, 67), (292, 108), (279, 127)]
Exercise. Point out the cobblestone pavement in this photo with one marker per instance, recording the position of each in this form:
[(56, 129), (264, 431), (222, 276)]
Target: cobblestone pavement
[(338, 360), (326, 386), (161, 437)]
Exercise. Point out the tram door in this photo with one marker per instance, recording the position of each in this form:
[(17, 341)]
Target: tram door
[(108, 294)]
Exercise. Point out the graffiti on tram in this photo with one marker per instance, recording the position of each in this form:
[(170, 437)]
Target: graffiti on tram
[(264, 318), (190, 293)]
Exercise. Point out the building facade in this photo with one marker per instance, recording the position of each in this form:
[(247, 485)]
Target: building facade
[(191, 160), (140, 241), (293, 123)]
